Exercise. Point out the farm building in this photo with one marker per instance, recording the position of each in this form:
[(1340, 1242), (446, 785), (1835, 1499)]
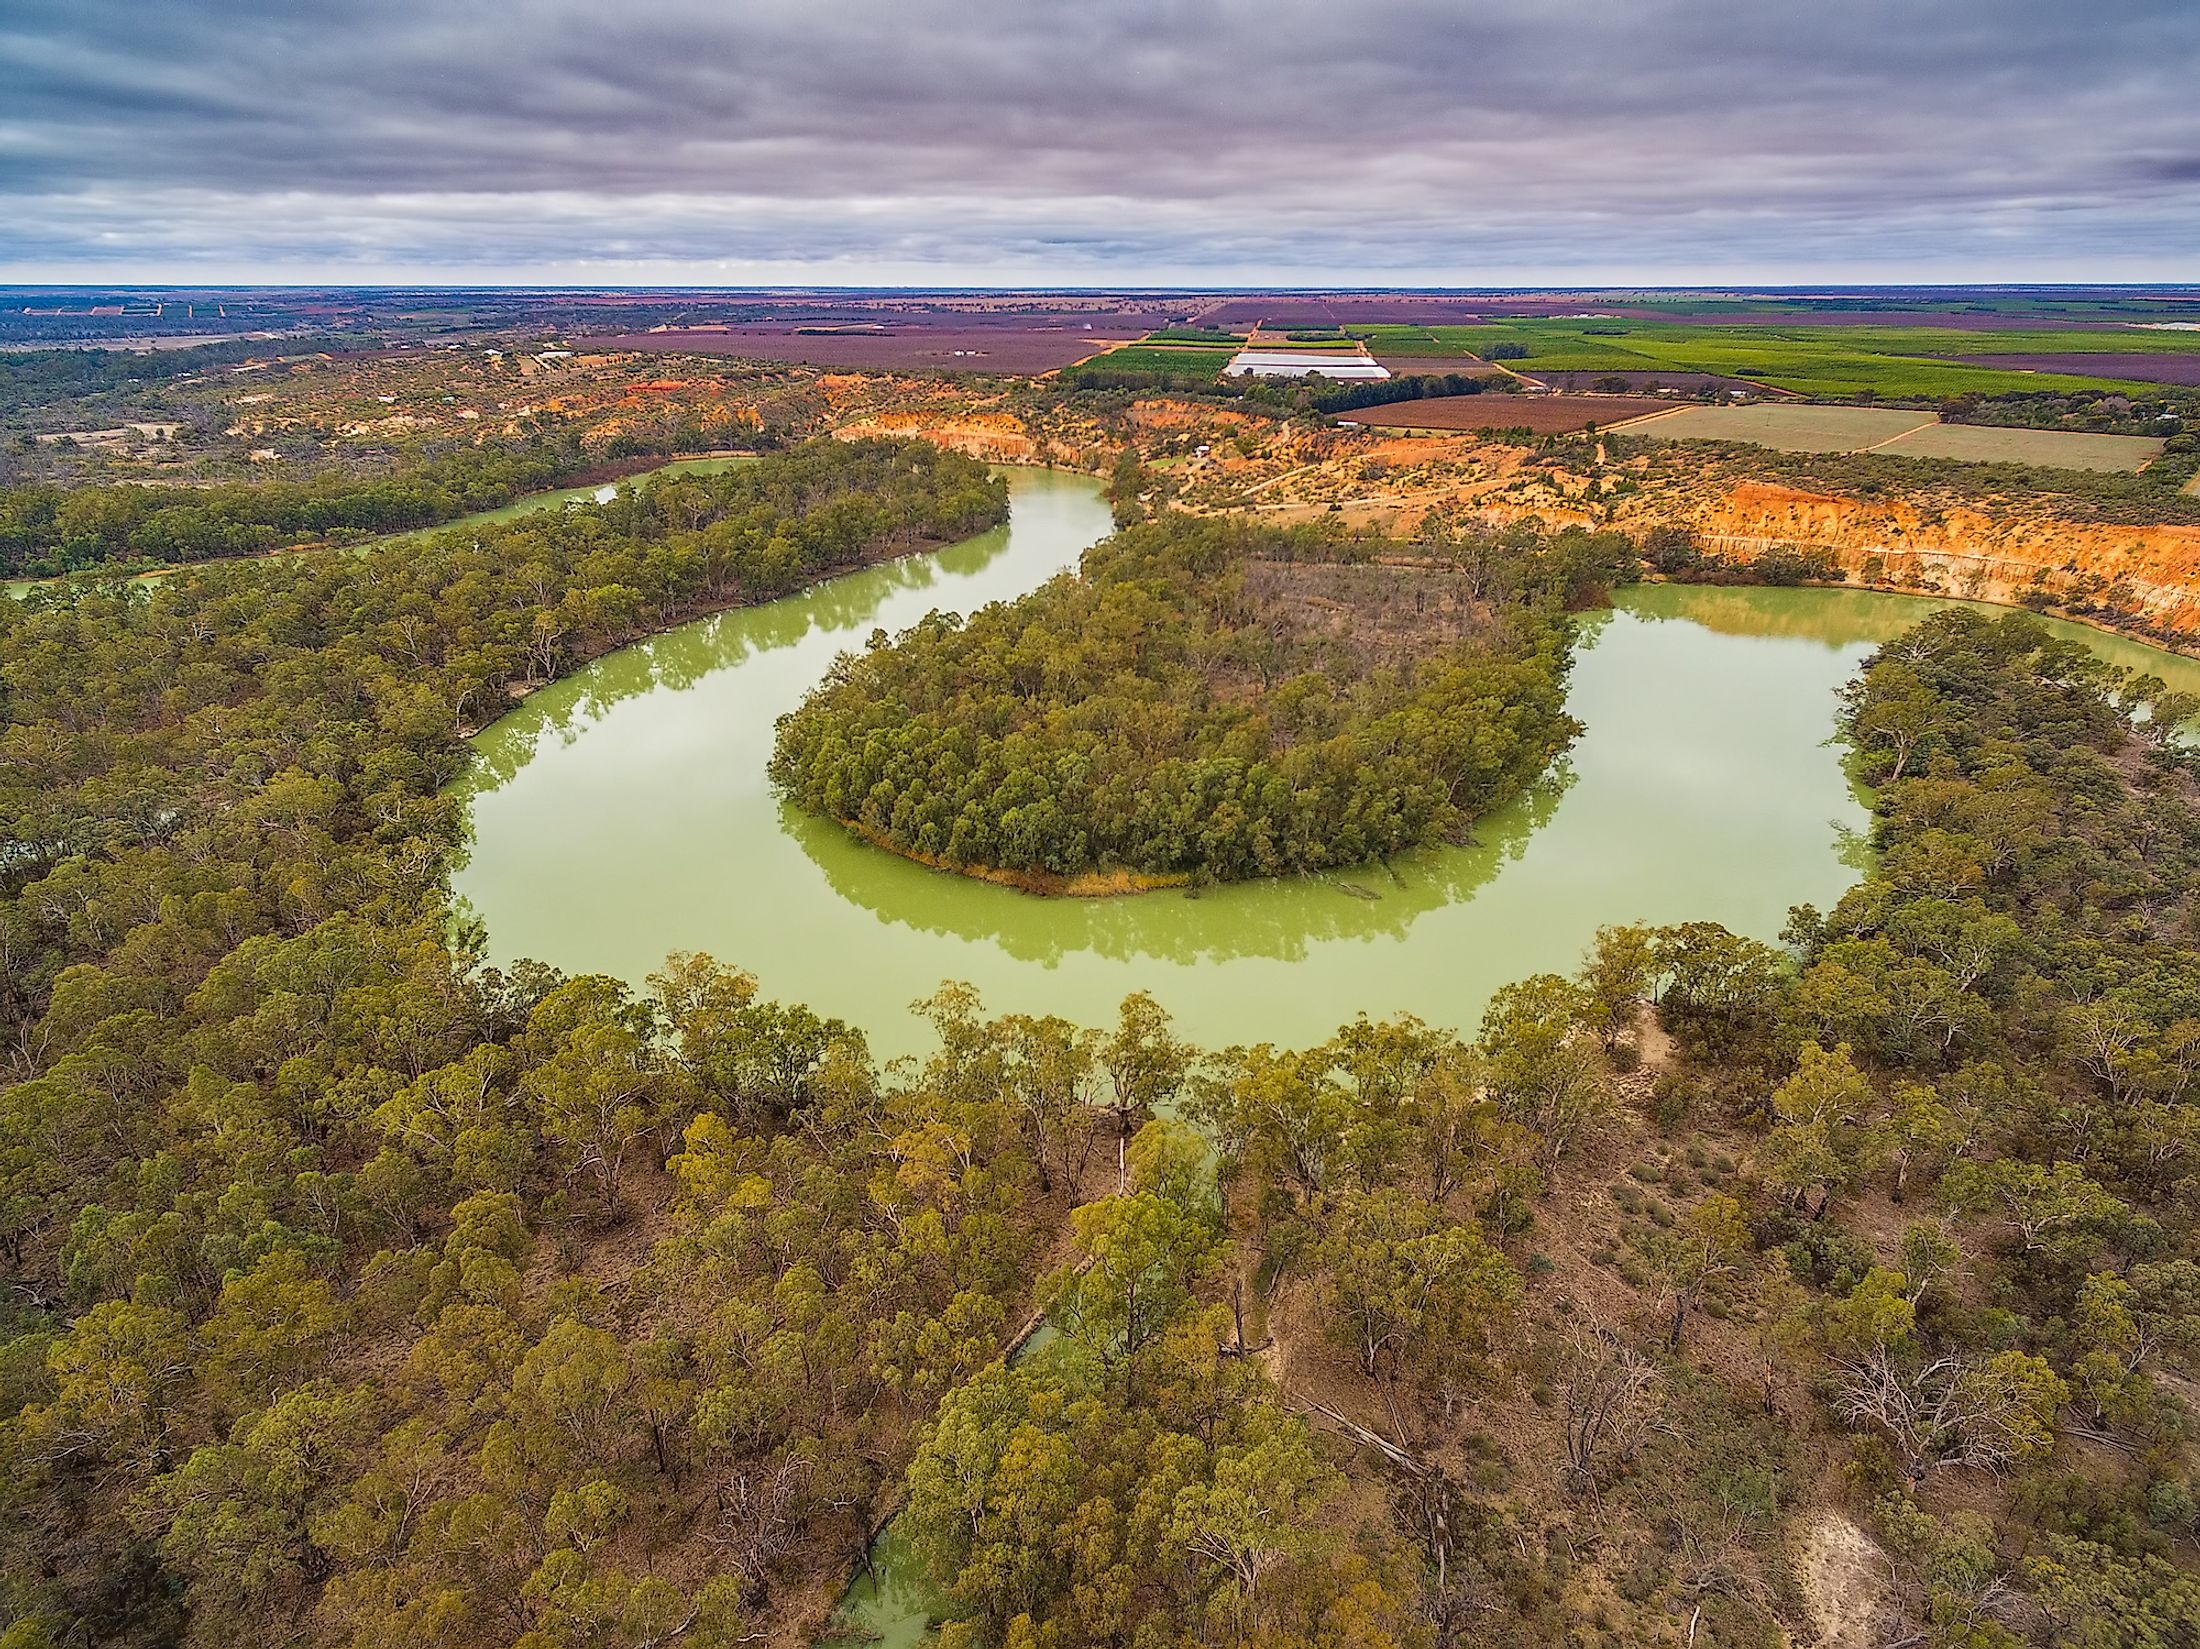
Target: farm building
[(1292, 363)]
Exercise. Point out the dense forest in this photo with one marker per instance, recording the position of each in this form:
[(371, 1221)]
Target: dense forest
[(1721, 1287), (293, 1196), (47, 530), (1209, 700), (358, 1293)]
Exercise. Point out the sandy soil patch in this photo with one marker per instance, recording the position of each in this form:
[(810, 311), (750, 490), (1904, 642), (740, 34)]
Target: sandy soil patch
[(1843, 1576)]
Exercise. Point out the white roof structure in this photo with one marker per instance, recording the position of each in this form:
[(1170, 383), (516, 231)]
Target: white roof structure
[(1294, 363)]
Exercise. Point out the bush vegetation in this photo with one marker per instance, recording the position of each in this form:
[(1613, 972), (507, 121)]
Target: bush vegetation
[(279, 1164), (1960, 1244), (1169, 713), (2148, 497), (45, 530), (41, 377), (1383, 391), (361, 1294)]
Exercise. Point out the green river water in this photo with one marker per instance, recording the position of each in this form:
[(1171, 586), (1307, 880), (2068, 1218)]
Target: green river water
[(624, 813)]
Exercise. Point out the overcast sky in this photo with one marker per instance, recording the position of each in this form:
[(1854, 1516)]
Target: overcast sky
[(1107, 141)]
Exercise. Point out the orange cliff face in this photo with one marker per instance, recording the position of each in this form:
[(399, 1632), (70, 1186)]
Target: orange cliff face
[(1985, 553), (997, 437)]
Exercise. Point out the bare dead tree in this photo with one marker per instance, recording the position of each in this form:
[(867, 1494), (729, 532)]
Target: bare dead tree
[(1457, 1588), (760, 1517), (1943, 1411), (1610, 1394)]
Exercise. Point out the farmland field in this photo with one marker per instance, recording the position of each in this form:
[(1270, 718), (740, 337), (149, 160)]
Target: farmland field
[(2146, 367), (1799, 428), (2055, 449), (1435, 365), (1639, 380), (1543, 414), (1189, 361), (1791, 428), (1842, 361)]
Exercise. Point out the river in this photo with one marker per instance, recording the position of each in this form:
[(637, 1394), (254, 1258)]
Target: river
[(624, 813)]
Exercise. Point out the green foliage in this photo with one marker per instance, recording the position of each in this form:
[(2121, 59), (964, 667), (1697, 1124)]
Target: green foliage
[(334, 1317), (39, 377), (46, 529), (1675, 553), (1847, 362), (1184, 366), (1389, 391), (277, 1164), (1162, 715)]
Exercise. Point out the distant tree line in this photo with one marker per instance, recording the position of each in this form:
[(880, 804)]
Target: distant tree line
[(35, 377), (1378, 392), (46, 529), (2140, 409)]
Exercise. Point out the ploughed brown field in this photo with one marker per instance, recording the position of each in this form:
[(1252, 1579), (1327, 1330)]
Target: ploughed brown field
[(994, 348), (2095, 363), (1407, 366), (1541, 414)]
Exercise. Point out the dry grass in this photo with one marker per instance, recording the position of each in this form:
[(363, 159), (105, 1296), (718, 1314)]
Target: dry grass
[(2051, 448), (1380, 613), (1789, 427)]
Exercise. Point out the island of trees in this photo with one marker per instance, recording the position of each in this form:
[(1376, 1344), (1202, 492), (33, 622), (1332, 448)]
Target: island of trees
[(1208, 700)]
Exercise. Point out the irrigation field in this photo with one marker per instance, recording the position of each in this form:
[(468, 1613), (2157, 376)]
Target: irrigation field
[(1193, 363), (1905, 362), (2054, 448)]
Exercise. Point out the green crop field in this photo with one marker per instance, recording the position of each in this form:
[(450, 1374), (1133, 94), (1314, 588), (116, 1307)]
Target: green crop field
[(1405, 340), (1187, 361), (1843, 362)]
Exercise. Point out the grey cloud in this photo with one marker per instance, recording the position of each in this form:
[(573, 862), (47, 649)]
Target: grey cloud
[(1117, 140)]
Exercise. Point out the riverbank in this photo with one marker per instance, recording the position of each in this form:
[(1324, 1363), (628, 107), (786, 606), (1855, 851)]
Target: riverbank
[(880, 552), (571, 490), (1086, 884)]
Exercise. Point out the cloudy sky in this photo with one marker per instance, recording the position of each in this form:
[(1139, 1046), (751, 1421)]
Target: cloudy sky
[(1105, 141)]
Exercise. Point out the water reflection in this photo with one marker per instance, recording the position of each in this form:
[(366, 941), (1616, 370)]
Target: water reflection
[(678, 660), (1283, 920), (625, 813)]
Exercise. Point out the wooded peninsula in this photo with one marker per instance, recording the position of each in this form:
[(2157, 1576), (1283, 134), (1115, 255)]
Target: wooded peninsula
[(1208, 701)]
